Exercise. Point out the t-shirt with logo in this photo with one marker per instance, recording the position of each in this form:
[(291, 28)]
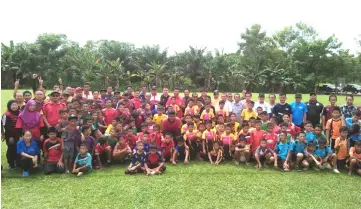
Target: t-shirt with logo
[(271, 140), (298, 112), (322, 152), (54, 150), (209, 135), (334, 126), (153, 160), (228, 139)]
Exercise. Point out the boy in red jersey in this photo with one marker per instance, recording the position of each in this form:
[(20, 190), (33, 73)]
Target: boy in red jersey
[(156, 137), (53, 153), (121, 150), (191, 139), (109, 113), (227, 141), (270, 137), (130, 138), (154, 162), (256, 136), (167, 147)]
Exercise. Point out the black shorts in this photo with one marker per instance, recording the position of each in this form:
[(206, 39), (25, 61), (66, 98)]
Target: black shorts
[(341, 164), (280, 162), (333, 144)]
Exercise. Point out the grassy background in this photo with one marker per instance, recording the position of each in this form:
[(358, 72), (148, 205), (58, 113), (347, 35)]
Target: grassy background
[(197, 185)]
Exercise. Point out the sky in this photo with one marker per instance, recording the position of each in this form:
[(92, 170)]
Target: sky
[(176, 24)]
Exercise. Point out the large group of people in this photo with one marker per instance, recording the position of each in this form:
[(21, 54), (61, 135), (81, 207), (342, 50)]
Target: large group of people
[(75, 130)]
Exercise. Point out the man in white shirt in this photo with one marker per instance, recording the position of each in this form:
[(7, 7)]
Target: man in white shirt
[(216, 99), (228, 104), (261, 103), (154, 98)]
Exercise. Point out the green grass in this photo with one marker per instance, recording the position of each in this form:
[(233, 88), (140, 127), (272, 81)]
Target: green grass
[(197, 185)]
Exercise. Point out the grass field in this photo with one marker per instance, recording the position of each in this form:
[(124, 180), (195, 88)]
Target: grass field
[(197, 185)]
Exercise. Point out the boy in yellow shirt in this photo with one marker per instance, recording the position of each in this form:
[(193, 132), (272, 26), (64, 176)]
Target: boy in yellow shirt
[(207, 114), (158, 118), (249, 112)]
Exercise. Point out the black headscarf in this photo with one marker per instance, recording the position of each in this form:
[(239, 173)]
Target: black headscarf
[(16, 113)]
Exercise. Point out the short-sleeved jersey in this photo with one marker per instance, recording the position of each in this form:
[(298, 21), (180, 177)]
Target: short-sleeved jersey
[(84, 160), (215, 153), (263, 152), (248, 114), (157, 119), (166, 147), (228, 139), (209, 135), (190, 136), (342, 152), (207, 115), (282, 150), (311, 137), (153, 160), (138, 158), (271, 140), (298, 147), (354, 154), (54, 150), (334, 126), (322, 152)]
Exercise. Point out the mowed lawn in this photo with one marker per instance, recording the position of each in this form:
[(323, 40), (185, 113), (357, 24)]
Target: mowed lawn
[(197, 185)]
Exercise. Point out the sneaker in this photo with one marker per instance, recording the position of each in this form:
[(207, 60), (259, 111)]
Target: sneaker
[(316, 169), (25, 174), (247, 163), (336, 171), (236, 163), (286, 169), (305, 169), (80, 174), (67, 171)]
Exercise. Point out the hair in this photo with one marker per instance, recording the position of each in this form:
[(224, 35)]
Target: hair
[(144, 125), (252, 118), (355, 128), (242, 138), (169, 134), (26, 92), (343, 129), (312, 144), (83, 129), (358, 143), (322, 141), (272, 95), (83, 145), (188, 115), (349, 95), (303, 133), (269, 125), (244, 124), (108, 99), (318, 126), (61, 111), (196, 115), (86, 84), (282, 94), (263, 140), (258, 121), (232, 114), (248, 93), (222, 102), (102, 140), (152, 146), (52, 130), (284, 124), (308, 122), (190, 124), (145, 133), (208, 122), (332, 95), (179, 139), (336, 109), (228, 125)]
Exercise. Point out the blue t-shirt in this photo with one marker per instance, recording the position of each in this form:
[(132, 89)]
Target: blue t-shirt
[(311, 137), (146, 148), (84, 160), (298, 111), (282, 150), (355, 137), (298, 147), (33, 149), (322, 152)]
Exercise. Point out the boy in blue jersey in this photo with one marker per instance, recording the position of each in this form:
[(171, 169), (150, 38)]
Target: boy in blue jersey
[(309, 156), (325, 156), (181, 151), (83, 161), (281, 154), (318, 133), (310, 135), (355, 134), (298, 148), (137, 160)]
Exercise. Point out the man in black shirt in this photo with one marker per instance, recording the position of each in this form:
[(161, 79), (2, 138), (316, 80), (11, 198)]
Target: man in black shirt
[(281, 109), (314, 110), (164, 98), (207, 100)]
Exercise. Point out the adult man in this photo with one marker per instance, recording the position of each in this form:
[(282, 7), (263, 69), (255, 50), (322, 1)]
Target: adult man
[(109, 93), (178, 100), (171, 124), (272, 100), (230, 97), (346, 109), (314, 110), (216, 99), (203, 95), (126, 102), (19, 98), (26, 94), (247, 100), (96, 96), (164, 97), (282, 108), (227, 104), (244, 91), (144, 92), (237, 107), (117, 96), (130, 92), (51, 110), (78, 94), (299, 110), (87, 93), (39, 100), (261, 103), (327, 110), (154, 98), (186, 98)]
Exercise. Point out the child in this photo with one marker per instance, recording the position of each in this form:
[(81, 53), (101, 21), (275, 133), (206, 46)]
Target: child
[(219, 129), (113, 137), (234, 123), (192, 141), (149, 122), (167, 147), (207, 114), (310, 135), (309, 156), (130, 138), (228, 141), (197, 120), (87, 140), (256, 136), (158, 118), (109, 112), (298, 148), (264, 120), (103, 151), (333, 127), (146, 143), (174, 105), (252, 124), (83, 161), (181, 151), (221, 110), (101, 122), (318, 132), (154, 162), (137, 160), (264, 154), (259, 110), (208, 137), (355, 134), (282, 153), (63, 122), (284, 128), (355, 159), (249, 112), (111, 126), (341, 148), (156, 137), (276, 127), (242, 150), (245, 131), (325, 156), (270, 137), (144, 128), (355, 119), (70, 136), (121, 150), (291, 128), (188, 119), (190, 110), (216, 154), (28, 150)]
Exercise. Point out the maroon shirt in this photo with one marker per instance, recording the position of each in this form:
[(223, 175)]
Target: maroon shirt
[(327, 112), (172, 127)]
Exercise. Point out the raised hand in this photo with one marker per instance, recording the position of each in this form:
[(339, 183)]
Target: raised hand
[(35, 76), (41, 81), (60, 81), (17, 82)]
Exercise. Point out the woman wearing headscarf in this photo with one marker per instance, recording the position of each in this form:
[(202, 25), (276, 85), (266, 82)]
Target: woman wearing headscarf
[(31, 120), (9, 133)]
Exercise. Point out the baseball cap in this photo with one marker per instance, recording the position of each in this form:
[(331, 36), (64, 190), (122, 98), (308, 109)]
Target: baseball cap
[(154, 88), (261, 95), (216, 92), (78, 89), (73, 117), (313, 94), (298, 95)]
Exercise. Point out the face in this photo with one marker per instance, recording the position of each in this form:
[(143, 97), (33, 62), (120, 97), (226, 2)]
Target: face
[(282, 99), (283, 136), (79, 94), (76, 105), (286, 118), (216, 146), (252, 123), (336, 114), (261, 99), (308, 127), (258, 126), (72, 122), (168, 138), (19, 97), (148, 120), (209, 126), (298, 99), (108, 103), (27, 136), (245, 129), (119, 126), (221, 128), (302, 137), (136, 94), (52, 135), (220, 119), (204, 94), (313, 97), (232, 118), (109, 90), (230, 97), (318, 131), (95, 95), (14, 106), (284, 128), (272, 98), (102, 93), (237, 98), (27, 96), (121, 108), (259, 110), (153, 151), (130, 132), (311, 148), (270, 128), (250, 105), (176, 92), (207, 100), (208, 107), (144, 89), (358, 148), (55, 97), (165, 91), (224, 97), (195, 97), (56, 88), (64, 115), (227, 130), (32, 108), (140, 146), (171, 118), (129, 90), (83, 150), (344, 134), (349, 101), (248, 97), (147, 97), (201, 128), (191, 128), (86, 88), (173, 101), (263, 144), (72, 112)]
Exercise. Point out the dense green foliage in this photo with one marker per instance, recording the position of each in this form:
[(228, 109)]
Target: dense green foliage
[(293, 59)]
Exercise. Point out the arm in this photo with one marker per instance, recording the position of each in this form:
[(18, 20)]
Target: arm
[(210, 158), (34, 84), (16, 87), (187, 155), (60, 162), (276, 159), (173, 157), (256, 156), (219, 158)]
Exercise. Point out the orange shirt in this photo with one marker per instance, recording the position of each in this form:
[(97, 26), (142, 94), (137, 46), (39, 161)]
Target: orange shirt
[(342, 151), (354, 154), (255, 139), (336, 125)]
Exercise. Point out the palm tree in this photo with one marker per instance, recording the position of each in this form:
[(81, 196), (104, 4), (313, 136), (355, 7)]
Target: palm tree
[(157, 72)]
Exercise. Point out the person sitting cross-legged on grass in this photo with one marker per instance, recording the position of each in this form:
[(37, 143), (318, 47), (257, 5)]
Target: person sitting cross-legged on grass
[(264, 154), (83, 161), (242, 150), (281, 154), (28, 150), (53, 153), (215, 156), (181, 151), (325, 156), (137, 160), (154, 162), (121, 150), (355, 159), (297, 149)]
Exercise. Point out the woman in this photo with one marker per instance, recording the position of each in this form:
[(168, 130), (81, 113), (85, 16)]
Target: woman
[(31, 120), (28, 151), (9, 132)]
